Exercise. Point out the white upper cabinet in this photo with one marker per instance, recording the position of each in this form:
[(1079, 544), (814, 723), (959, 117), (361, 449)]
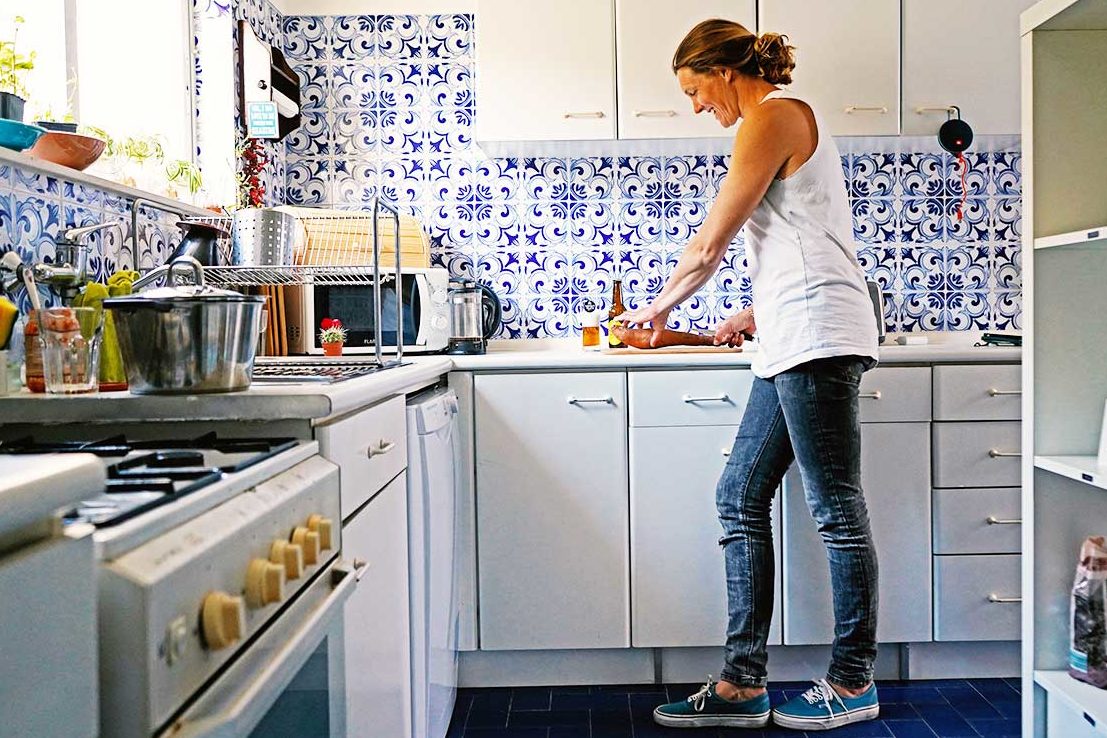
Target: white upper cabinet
[(964, 54), (651, 103), (847, 59), (545, 70)]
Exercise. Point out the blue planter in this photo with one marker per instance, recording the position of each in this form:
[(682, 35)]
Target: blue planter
[(11, 106)]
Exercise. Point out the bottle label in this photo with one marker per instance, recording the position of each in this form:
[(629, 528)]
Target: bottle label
[(613, 340)]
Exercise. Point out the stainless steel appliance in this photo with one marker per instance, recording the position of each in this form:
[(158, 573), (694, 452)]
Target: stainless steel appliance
[(220, 586), (423, 293), (187, 338), (877, 298), (48, 681), (475, 316)]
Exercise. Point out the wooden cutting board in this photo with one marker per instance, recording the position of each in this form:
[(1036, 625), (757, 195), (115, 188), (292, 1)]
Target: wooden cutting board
[(673, 350)]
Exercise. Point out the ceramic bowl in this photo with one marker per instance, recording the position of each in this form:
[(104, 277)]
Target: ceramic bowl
[(68, 149), (18, 136)]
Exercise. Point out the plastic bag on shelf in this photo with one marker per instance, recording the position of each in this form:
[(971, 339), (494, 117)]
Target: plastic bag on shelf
[(1088, 610)]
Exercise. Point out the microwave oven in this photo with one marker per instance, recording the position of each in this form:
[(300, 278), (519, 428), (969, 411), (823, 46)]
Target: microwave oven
[(426, 326)]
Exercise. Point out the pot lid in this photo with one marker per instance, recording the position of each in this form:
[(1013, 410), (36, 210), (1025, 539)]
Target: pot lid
[(186, 292)]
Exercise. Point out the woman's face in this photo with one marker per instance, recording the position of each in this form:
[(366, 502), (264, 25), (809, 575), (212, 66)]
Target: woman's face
[(711, 91)]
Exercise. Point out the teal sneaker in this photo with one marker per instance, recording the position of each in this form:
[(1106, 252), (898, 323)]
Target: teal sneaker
[(706, 709), (822, 708)]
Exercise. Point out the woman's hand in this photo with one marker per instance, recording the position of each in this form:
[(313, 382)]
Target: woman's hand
[(736, 328), (657, 319)]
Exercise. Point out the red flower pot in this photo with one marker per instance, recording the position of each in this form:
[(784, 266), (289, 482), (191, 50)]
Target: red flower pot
[(332, 349)]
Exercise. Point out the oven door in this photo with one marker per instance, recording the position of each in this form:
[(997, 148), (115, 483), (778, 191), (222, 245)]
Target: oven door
[(290, 681), (353, 305)]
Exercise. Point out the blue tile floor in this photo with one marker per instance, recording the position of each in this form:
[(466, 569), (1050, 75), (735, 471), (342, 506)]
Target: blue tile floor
[(951, 708)]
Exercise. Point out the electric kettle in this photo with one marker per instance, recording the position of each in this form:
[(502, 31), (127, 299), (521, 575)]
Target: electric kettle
[(475, 316)]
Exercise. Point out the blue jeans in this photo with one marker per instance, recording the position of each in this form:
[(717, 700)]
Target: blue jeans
[(809, 414)]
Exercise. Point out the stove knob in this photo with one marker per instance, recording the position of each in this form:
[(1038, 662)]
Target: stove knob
[(309, 541), (264, 583), (290, 555), (323, 527), (222, 619)]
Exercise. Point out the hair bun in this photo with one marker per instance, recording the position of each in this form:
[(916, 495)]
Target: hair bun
[(775, 58)]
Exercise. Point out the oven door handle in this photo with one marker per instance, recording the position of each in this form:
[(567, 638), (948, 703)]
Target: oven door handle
[(238, 714)]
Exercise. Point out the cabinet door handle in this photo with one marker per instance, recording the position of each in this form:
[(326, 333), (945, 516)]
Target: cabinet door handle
[(591, 400), (993, 392), (996, 454), (935, 109), (869, 395), (993, 520), (692, 399), (380, 450), (726, 453), (993, 597), (593, 114), (655, 113), (851, 109)]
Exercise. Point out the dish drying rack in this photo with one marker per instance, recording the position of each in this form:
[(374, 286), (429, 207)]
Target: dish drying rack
[(339, 245)]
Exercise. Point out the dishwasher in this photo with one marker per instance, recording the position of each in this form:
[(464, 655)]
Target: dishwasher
[(433, 454)]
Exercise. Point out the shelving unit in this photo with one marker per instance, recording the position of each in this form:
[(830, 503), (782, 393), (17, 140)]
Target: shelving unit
[(1064, 94)]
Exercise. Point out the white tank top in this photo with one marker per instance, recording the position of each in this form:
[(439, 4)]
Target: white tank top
[(810, 299)]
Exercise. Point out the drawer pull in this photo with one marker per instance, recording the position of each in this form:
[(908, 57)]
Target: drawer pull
[(596, 114), (591, 400), (691, 399), (383, 448), (993, 392), (997, 454), (851, 109), (993, 520), (869, 395), (726, 453), (1003, 600), (655, 114)]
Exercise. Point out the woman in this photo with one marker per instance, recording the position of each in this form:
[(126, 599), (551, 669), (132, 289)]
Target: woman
[(817, 335)]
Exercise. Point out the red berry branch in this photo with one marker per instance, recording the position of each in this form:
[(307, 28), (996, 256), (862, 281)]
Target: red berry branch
[(251, 163)]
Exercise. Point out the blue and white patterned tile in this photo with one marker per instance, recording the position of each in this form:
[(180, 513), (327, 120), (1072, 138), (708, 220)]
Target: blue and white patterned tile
[(36, 224), (503, 271), (694, 314), (592, 224), (356, 86), (496, 224), (7, 217), (512, 318), (872, 175), (354, 133), (644, 271), (639, 177), (874, 220), (352, 183), (5, 175), (545, 224), (967, 221), (968, 267), (399, 37), (1006, 311), (354, 37), (732, 276), (686, 177), (459, 264), (402, 180), (681, 220), (882, 265), (921, 268), (1007, 219), (496, 179), (720, 167), (1006, 173), (449, 84), (549, 272), (549, 317), (920, 220), (451, 225), (914, 311), (81, 194), (450, 130), (401, 131), (307, 181), (640, 222), (922, 175), (400, 85), (545, 179), (965, 311), (315, 85), (977, 175), (593, 272), (1007, 266), (313, 137), (307, 38), (449, 36), (36, 183), (591, 178)]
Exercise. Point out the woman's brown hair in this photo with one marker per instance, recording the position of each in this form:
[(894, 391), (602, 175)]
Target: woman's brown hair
[(722, 44)]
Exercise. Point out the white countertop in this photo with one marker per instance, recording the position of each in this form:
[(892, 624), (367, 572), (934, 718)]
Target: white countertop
[(316, 402)]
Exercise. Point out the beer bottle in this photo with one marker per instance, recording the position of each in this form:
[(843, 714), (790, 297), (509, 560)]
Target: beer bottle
[(613, 314)]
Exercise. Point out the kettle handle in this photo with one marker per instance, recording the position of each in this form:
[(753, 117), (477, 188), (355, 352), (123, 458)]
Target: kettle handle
[(490, 321)]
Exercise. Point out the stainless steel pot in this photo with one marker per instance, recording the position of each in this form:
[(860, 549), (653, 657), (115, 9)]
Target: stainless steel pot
[(185, 339)]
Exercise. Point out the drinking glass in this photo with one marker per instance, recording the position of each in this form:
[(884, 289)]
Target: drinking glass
[(71, 348)]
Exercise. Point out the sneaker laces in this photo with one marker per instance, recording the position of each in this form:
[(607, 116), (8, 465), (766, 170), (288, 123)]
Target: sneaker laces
[(823, 692), (699, 699)]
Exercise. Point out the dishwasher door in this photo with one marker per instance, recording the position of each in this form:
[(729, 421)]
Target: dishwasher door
[(433, 455)]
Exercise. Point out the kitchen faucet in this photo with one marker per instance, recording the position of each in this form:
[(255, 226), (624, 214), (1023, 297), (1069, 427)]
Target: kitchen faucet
[(135, 205), (67, 273)]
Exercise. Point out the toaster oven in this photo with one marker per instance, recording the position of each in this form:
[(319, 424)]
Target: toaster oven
[(426, 325)]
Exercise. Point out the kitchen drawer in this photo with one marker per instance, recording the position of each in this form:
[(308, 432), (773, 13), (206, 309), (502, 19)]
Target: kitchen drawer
[(979, 392), (984, 454), (976, 598), (370, 448), (895, 394), (689, 397), (977, 521)]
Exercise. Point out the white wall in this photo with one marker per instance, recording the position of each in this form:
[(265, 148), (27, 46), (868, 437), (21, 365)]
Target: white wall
[(373, 7)]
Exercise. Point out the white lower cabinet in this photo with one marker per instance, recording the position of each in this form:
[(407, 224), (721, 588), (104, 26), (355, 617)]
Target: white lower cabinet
[(895, 474), (678, 579), (552, 516), (978, 598), (377, 624)]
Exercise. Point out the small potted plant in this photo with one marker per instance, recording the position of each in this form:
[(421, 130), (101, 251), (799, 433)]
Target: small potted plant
[(332, 336), (13, 93), (183, 173)]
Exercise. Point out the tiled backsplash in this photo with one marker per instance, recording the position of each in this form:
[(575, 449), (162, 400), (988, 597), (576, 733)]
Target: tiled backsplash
[(388, 108)]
